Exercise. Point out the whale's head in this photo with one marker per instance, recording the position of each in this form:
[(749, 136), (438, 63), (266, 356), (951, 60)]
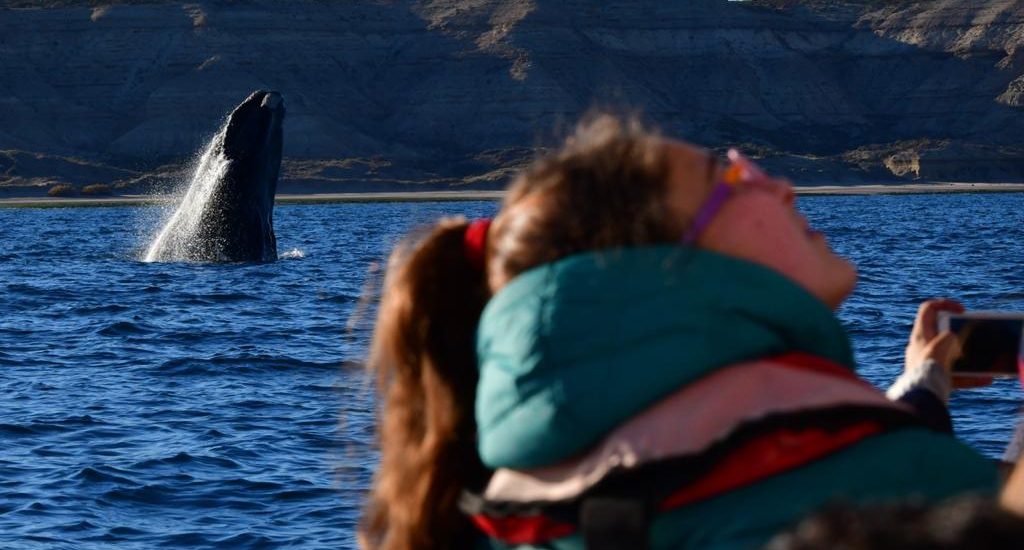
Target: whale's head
[(240, 215), (252, 144), (227, 214)]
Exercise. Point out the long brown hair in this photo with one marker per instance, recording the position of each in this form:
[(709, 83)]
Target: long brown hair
[(604, 188)]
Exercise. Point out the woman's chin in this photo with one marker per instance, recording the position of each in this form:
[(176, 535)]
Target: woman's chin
[(842, 282)]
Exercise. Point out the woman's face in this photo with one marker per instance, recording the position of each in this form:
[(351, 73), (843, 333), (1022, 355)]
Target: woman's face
[(759, 223)]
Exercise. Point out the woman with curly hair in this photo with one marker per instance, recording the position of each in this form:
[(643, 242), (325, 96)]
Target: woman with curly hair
[(639, 351)]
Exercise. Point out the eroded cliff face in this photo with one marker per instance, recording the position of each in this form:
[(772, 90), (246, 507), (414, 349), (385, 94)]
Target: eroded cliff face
[(992, 31), (450, 91)]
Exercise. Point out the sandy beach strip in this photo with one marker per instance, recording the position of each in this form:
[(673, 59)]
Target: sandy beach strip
[(910, 189), (443, 196)]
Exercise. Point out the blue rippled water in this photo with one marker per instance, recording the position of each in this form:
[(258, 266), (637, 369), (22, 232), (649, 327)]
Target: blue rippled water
[(222, 406)]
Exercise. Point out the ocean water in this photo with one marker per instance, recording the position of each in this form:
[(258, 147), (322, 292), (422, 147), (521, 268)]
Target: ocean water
[(222, 406)]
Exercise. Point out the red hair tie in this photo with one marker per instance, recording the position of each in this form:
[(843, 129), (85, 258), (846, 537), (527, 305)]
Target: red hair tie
[(475, 242)]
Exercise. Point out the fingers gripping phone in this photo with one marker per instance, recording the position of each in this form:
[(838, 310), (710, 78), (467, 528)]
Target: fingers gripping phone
[(991, 342)]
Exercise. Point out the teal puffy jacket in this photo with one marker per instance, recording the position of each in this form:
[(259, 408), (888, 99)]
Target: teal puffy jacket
[(570, 350)]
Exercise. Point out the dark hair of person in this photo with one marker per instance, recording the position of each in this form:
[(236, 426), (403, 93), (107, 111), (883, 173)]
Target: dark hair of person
[(604, 188), (963, 523)]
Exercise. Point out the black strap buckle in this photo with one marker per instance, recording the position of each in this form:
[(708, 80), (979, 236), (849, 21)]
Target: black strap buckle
[(615, 523)]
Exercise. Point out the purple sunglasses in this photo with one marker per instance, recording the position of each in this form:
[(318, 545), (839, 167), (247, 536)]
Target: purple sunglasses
[(740, 170)]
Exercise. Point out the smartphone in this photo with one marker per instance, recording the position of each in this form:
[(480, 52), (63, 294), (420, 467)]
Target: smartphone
[(991, 342)]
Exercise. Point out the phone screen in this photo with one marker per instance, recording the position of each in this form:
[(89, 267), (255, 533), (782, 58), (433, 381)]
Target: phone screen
[(987, 345)]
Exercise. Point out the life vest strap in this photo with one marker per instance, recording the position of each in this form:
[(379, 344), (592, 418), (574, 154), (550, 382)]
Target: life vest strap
[(690, 420), (530, 529)]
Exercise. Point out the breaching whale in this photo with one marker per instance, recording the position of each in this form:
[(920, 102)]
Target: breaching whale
[(227, 212)]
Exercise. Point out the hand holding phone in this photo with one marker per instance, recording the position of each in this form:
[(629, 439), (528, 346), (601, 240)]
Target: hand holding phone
[(991, 342), (924, 343)]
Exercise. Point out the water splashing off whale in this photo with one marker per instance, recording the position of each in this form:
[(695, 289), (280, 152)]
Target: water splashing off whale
[(226, 215)]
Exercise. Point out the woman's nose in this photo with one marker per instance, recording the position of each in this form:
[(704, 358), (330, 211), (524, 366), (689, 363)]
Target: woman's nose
[(781, 188), (784, 188)]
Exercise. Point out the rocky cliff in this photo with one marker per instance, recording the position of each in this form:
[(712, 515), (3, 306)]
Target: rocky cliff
[(440, 92)]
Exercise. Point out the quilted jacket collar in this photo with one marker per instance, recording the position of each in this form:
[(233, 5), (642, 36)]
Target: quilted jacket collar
[(571, 349)]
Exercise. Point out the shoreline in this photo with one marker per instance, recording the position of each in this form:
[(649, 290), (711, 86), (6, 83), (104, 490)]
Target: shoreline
[(452, 196)]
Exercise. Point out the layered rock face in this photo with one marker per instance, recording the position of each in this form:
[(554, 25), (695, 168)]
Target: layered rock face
[(438, 92)]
